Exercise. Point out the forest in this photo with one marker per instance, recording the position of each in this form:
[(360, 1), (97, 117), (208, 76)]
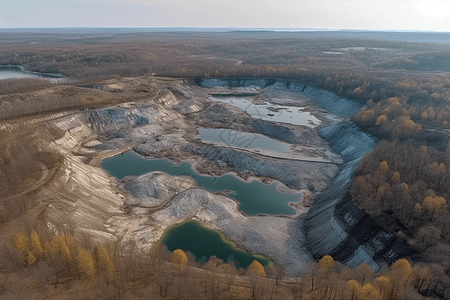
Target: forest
[(39, 264), (403, 183)]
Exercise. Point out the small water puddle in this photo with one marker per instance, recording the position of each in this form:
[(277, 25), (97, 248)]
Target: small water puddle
[(276, 113), (254, 196)]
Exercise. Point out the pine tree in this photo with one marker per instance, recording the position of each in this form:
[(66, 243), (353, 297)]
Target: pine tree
[(353, 286), (70, 242), (384, 284), (59, 244), (369, 291), (22, 243), (255, 268), (104, 261), (384, 167), (86, 264), (179, 258), (35, 244), (30, 258), (326, 264), (401, 271)]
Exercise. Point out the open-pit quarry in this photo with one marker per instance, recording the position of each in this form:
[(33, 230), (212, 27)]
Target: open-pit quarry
[(289, 137)]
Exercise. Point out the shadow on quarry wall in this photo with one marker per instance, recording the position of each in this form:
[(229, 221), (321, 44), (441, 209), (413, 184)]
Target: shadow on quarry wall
[(334, 225)]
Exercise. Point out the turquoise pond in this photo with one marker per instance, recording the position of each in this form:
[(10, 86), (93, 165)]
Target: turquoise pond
[(254, 197)]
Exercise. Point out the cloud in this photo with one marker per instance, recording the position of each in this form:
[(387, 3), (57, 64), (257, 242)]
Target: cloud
[(152, 3), (438, 9), (343, 14)]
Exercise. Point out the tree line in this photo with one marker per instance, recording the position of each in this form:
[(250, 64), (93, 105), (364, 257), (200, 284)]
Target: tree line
[(403, 182), (39, 264), (20, 85), (353, 74)]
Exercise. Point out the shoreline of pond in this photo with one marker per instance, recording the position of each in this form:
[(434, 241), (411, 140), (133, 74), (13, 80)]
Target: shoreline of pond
[(279, 186), (34, 74), (223, 238)]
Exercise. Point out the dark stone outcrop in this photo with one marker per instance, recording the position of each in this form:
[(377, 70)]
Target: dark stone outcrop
[(335, 226)]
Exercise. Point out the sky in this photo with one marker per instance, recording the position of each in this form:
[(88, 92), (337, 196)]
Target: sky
[(425, 15)]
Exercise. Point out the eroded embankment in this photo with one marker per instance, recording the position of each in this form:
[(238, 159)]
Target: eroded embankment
[(167, 128), (156, 200), (334, 225), (328, 100), (84, 197)]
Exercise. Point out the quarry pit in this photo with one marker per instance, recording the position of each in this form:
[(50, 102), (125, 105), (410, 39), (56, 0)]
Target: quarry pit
[(314, 157)]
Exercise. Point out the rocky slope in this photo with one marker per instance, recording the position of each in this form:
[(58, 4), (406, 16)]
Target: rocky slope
[(82, 198), (334, 225)]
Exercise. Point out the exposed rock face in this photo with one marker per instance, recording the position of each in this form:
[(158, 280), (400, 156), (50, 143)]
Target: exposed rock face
[(156, 188), (280, 132), (81, 197), (325, 99), (295, 174), (85, 197), (121, 119), (335, 226)]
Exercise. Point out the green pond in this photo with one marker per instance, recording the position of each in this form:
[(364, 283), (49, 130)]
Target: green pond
[(254, 197), (204, 242)]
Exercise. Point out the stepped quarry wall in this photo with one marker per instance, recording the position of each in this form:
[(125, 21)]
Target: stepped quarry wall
[(334, 225)]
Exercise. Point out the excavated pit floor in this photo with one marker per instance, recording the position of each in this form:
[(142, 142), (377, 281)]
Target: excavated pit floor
[(84, 198)]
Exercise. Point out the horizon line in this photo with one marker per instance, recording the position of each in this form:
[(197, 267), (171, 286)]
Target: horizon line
[(273, 29)]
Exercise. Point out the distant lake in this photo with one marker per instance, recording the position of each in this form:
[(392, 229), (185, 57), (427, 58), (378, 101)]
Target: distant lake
[(69, 34), (204, 242), (7, 72), (254, 196)]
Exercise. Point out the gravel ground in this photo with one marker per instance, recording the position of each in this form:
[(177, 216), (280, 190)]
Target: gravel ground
[(155, 189), (170, 128), (279, 238)]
